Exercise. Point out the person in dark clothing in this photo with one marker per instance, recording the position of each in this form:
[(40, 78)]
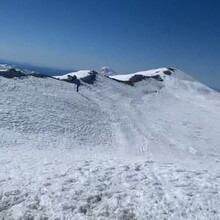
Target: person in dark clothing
[(77, 85), (77, 82), (74, 80)]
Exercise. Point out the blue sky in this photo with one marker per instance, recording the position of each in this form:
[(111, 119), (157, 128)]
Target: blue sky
[(128, 35)]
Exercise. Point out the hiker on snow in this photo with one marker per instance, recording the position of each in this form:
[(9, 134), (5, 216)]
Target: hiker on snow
[(74, 80), (77, 84)]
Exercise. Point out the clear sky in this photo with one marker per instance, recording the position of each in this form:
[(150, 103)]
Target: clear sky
[(128, 35)]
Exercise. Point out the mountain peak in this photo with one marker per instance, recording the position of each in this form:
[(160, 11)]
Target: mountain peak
[(106, 70)]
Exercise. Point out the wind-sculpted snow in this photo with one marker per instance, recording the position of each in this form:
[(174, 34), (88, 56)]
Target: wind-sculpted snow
[(111, 151), (69, 184)]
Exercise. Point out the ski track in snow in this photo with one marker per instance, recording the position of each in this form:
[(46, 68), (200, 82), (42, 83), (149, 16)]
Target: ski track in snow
[(110, 152)]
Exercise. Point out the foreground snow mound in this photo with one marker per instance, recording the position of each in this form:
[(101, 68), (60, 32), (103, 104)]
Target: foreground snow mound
[(69, 184)]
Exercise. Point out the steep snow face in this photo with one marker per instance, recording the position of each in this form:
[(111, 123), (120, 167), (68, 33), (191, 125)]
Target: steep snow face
[(111, 151), (105, 70), (79, 74)]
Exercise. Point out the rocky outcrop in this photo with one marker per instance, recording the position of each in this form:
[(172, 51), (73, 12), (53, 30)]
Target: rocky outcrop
[(11, 73), (137, 78), (91, 78), (169, 71)]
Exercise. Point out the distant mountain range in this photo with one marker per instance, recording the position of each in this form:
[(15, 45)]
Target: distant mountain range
[(50, 71), (38, 69)]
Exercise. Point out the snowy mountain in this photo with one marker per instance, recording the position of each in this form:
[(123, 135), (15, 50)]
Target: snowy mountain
[(135, 146), (105, 70)]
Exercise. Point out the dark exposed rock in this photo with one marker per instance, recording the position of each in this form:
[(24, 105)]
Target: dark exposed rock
[(157, 77), (167, 72), (172, 69), (11, 73), (70, 79), (137, 78), (90, 79)]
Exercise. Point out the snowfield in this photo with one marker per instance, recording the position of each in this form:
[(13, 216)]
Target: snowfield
[(111, 151)]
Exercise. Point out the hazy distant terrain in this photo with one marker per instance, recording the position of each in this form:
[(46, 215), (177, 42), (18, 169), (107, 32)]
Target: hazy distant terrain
[(38, 69)]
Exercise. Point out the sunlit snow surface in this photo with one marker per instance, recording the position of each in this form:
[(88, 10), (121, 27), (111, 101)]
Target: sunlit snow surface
[(79, 74), (111, 151)]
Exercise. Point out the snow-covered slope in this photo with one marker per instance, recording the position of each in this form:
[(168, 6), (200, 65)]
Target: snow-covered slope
[(149, 149)]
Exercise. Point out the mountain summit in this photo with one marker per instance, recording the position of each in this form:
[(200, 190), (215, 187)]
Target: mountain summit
[(107, 71)]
